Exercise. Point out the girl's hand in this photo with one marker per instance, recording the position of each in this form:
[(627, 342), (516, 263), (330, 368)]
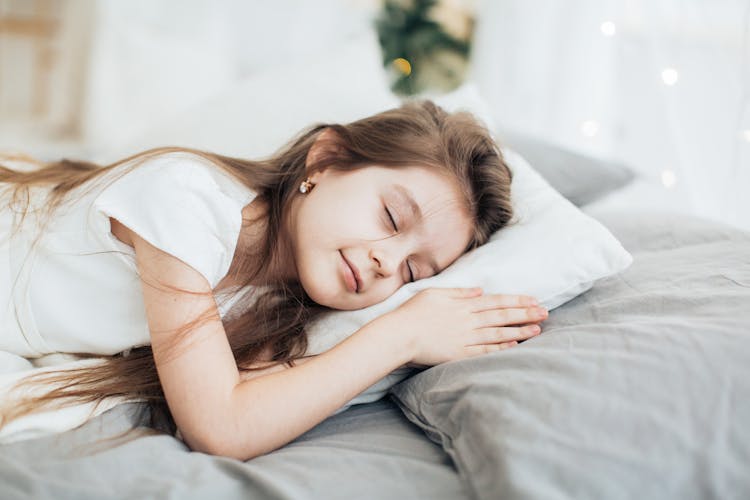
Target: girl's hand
[(446, 324)]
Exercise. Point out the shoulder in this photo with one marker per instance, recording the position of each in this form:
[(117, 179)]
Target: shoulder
[(175, 168), (170, 190), (176, 204), (180, 172)]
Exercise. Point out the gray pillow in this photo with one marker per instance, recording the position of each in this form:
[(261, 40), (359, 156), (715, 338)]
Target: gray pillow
[(639, 388), (580, 178)]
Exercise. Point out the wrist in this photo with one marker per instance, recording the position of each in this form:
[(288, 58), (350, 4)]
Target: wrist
[(391, 328)]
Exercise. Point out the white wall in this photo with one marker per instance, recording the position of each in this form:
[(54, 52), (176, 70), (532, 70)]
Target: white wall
[(151, 59), (118, 67), (555, 70)]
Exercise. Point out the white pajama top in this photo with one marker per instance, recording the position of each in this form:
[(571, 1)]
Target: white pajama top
[(77, 288)]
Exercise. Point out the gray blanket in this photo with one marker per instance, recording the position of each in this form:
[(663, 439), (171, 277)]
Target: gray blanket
[(638, 388)]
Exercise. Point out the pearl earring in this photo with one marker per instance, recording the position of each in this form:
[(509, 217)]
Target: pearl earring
[(306, 186)]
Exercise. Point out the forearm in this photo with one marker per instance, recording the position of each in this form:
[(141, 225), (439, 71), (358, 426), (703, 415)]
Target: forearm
[(268, 367), (270, 411)]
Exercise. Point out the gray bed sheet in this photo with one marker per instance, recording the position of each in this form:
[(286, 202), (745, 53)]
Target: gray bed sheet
[(369, 451)]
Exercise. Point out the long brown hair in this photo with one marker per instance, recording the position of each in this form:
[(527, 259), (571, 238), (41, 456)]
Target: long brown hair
[(417, 133)]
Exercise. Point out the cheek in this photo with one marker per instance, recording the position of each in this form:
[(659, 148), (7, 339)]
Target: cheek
[(383, 290), (321, 228), (318, 271), (345, 212)]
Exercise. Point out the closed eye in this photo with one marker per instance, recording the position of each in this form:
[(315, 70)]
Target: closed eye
[(411, 274)]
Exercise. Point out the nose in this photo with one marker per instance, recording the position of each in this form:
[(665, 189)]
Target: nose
[(385, 264)]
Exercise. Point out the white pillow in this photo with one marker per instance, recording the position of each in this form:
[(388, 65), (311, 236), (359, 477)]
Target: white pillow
[(553, 252)]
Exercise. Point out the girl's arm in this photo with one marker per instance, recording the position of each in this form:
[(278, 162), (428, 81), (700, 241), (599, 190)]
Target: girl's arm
[(270, 367), (219, 413)]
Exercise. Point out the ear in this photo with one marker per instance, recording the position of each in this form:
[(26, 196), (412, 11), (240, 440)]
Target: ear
[(325, 144)]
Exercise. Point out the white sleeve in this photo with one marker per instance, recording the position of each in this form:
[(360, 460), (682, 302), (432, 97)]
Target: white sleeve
[(174, 203)]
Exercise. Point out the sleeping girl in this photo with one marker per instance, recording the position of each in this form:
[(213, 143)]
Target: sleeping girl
[(193, 275)]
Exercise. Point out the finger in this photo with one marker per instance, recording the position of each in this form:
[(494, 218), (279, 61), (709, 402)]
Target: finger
[(496, 300), (510, 316), (504, 334), (476, 350)]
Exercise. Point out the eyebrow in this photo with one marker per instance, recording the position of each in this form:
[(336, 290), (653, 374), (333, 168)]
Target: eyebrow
[(416, 212)]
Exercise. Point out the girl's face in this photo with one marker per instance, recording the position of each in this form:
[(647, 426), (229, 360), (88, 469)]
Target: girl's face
[(345, 220)]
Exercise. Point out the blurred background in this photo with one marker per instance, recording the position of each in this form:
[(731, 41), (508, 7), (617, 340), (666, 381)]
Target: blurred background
[(660, 86)]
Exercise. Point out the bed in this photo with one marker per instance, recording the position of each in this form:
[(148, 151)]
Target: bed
[(637, 388)]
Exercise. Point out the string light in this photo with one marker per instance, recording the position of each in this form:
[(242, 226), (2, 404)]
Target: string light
[(668, 178), (402, 65), (608, 28), (669, 76), (589, 128)]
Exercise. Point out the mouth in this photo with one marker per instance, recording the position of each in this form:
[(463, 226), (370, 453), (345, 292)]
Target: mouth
[(351, 275)]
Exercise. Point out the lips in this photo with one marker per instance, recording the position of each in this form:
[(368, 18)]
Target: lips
[(354, 271)]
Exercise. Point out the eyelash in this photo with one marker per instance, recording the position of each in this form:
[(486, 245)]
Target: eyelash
[(411, 274)]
